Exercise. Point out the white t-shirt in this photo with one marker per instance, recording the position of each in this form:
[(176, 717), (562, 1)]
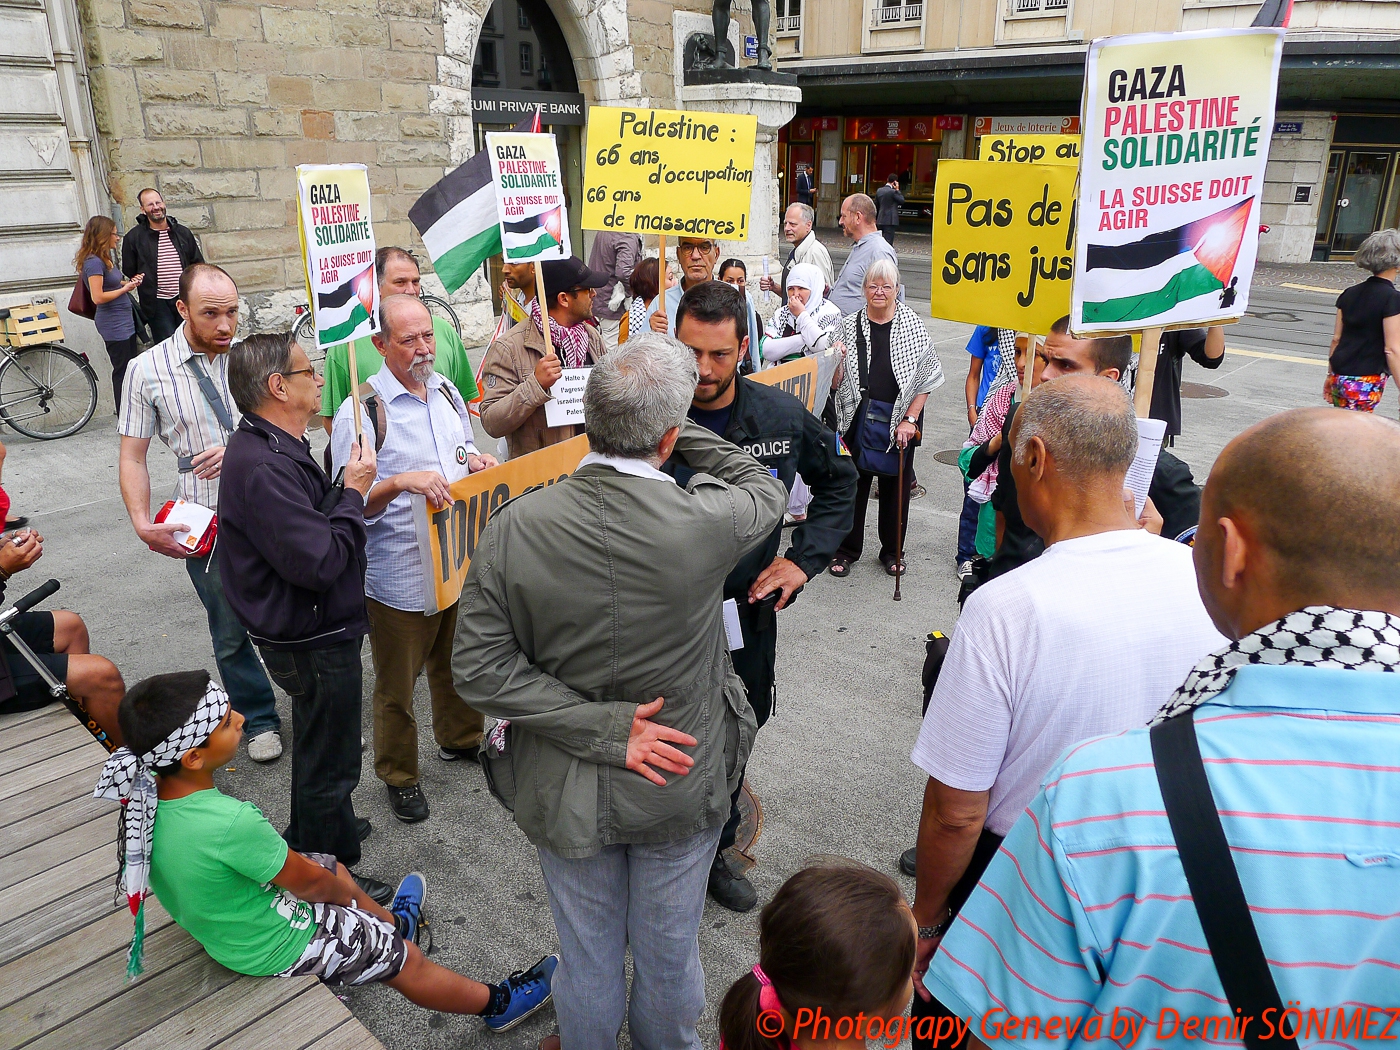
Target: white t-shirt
[(1090, 638)]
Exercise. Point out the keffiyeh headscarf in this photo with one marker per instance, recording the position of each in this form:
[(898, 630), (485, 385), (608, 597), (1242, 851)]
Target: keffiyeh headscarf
[(571, 344), (128, 778), (1317, 636)]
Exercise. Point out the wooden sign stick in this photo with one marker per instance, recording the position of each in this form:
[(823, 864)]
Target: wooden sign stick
[(1147, 371), (355, 394), (1032, 341), (661, 273), (544, 307)]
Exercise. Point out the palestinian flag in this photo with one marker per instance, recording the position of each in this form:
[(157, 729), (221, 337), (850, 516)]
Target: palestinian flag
[(457, 217), (1148, 277), (533, 235), (344, 308)]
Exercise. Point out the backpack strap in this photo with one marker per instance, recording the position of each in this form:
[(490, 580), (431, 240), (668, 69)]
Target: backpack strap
[(1215, 883)]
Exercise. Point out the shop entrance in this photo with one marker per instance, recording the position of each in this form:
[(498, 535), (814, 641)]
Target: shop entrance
[(1353, 196)]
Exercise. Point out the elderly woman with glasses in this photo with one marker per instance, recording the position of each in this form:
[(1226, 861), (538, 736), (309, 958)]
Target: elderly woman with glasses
[(900, 368), (1366, 341)]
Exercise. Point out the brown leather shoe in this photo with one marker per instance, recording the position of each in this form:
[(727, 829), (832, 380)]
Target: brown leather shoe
[(551, 1042)]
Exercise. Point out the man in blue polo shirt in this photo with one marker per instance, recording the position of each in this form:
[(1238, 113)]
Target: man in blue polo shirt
[(1087, 917)]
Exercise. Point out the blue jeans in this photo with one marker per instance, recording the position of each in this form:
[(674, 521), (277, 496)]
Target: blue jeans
[(649, 896), (242, 675), (967, 527), (326, 687)]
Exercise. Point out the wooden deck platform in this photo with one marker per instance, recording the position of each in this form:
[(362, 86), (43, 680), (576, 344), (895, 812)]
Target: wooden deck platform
[(63, 943)]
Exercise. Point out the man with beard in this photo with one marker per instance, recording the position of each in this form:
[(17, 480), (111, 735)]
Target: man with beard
[(159, 249), (427, 446), (776, 429)]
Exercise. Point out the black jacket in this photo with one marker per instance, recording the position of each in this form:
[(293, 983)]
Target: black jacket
[(294, 576), (776, 429), (887, 203), (140, 247)]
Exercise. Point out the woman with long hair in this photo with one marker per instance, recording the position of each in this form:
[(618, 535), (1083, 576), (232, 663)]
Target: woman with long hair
[(116, 324)]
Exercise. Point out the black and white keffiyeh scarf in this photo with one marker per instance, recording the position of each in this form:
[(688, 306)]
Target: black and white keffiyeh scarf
[(127, 778), (1316, 636), (913, 360)]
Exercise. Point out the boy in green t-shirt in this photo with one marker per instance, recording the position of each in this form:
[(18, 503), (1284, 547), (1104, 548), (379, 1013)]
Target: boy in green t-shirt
[(229, 879)]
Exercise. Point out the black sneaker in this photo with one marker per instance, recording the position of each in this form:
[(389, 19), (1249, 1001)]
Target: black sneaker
[(379, 892), (408, 803), (907, 860), (733, 891), (363, 829), (460, 754)]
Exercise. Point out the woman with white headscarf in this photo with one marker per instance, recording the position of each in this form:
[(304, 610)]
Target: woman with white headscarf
[(808, 321)]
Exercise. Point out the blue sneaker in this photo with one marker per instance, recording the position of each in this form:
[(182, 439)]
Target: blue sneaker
[(407, 908), (529, 991)]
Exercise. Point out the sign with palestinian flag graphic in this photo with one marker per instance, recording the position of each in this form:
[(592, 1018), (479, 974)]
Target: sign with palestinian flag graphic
[(529, 190), (1176, 140), (337, 248)]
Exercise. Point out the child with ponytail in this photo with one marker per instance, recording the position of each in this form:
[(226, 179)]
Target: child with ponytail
[(839, 940)]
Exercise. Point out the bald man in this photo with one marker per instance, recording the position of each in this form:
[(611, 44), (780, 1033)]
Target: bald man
[(1089, 638), (178, 391), (1298, 560)]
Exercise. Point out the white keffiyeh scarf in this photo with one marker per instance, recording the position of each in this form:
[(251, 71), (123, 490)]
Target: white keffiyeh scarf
[(912, 359), (127, 778), (1317, 636)]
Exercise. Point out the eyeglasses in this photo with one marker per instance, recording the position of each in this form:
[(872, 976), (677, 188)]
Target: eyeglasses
[(703, 248), (298, 372)]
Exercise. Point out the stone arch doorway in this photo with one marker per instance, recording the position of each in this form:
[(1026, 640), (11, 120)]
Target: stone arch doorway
[(523, 61)]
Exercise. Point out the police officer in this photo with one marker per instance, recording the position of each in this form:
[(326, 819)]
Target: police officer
[(777, 430)]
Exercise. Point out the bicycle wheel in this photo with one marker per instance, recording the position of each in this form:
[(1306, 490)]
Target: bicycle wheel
[(442, 308), (304, 335), (47, 391)]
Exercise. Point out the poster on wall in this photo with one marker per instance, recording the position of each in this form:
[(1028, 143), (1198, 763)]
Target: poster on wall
[(337, 249), (1176, 140)]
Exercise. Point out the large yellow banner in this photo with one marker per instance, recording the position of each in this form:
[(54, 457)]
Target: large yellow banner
[(1029, 149), (798, 378), (664, 171), (1003, 243), (447, 536)]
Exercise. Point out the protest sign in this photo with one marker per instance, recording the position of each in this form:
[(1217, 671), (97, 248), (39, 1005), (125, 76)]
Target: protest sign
[(1003, 238), (798, 378), (565, 405), (337, 248), (447, 536), (529, 196), (662, 171), (1029, 149), (1176, 140)]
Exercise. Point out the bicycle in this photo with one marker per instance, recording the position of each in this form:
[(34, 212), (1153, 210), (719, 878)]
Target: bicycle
[(304, 334), (47, 391)]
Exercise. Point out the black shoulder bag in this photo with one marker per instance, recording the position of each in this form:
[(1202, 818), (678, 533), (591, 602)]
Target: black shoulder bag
[(871, 429), (1215, 884)]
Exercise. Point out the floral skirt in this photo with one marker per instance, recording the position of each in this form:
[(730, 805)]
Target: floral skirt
[(1358, 393)]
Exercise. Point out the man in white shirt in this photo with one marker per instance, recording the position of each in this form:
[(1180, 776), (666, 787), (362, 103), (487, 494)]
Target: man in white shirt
[(427, 446), (806, 248), (1091, 638)]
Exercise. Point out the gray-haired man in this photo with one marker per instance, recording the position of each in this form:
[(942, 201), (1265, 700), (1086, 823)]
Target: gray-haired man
[(592, 620), (806, 248)]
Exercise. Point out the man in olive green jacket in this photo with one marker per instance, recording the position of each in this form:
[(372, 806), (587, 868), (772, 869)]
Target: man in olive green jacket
[(592, 620)]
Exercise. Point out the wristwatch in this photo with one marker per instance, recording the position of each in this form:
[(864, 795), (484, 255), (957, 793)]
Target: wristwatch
[(929, 932), (914, 420)]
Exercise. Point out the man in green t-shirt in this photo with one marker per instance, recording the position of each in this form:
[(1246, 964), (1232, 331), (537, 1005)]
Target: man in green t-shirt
[(398, 274), (257, 906)]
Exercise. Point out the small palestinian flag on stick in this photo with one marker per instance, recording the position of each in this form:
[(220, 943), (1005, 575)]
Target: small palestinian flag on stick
[(1148, 277), (457, 217), (344, 308)]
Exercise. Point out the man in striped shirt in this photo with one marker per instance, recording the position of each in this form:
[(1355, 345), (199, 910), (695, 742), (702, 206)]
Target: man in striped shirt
[(1086, 920), (159, 248), (178, 390)]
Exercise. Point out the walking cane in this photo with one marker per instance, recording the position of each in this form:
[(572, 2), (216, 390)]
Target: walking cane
[(899, 528)]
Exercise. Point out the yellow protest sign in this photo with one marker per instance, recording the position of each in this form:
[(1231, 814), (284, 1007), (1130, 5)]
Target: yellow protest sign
[(447, 536), (668, 172), (1003, 240), (798, 378), (1029, 149)]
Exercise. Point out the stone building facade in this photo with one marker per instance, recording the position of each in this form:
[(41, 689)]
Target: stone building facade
[(215, 103)]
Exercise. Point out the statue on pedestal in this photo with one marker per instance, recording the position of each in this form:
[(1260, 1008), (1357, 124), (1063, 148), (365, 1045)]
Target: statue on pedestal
[(715, 52)]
